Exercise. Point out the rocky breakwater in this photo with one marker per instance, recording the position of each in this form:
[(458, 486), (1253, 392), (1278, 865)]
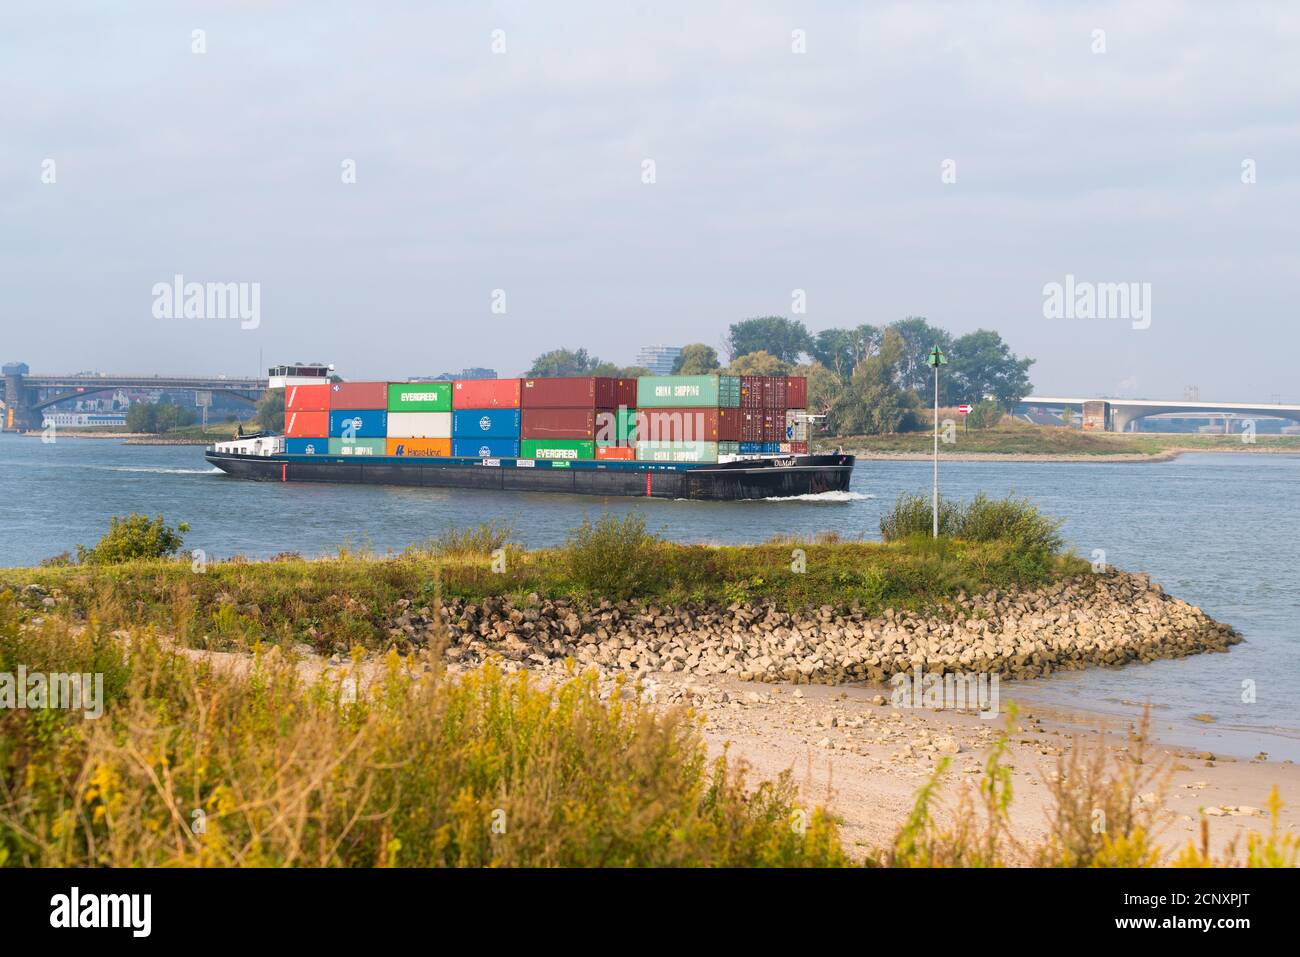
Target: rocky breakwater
[(1102, 619)]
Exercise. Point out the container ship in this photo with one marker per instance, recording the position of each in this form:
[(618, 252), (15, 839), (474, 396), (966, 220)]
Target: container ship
[(714, 437)]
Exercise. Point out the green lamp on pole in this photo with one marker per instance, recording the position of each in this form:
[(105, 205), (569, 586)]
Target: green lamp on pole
[(936, 358)]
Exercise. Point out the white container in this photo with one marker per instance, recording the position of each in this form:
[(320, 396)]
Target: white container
[(419, 425), (796, 425)]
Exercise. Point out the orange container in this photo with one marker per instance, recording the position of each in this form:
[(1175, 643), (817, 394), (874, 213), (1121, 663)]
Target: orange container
[(307, 398), (485, 394), (621, 453), (419, 448), (306, 425)]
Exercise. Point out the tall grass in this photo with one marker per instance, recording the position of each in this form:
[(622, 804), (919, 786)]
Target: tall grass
[(455, 541), (196, 764), (1014, 521)]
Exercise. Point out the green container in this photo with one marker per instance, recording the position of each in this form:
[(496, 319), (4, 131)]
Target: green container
[(557, 449), (358, 447), (419, 397), (688, 391), (677, 451), (624, 428)]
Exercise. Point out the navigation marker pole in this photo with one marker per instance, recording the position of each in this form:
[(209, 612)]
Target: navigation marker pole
[(936, 359)]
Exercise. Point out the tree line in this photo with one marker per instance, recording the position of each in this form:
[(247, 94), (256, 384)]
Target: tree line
[(158, 417), (866, 379)]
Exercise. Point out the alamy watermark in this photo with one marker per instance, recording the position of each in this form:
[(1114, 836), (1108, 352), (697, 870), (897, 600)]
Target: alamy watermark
[(1075, 299), (179, 299), (35, 690), (950, 690)]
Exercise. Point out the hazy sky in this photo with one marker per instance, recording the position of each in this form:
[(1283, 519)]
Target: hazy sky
[(774, 171)]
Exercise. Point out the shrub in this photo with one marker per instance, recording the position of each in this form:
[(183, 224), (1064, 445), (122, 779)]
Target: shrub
[(913, 515), (985, 415), (1012, 521), (617, 559), (134, 537)]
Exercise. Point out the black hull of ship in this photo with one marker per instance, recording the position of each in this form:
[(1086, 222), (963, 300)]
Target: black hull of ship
[(777, 477)]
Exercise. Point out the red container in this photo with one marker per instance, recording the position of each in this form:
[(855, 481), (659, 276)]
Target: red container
[(688, 425), (763, 392), (624, 394), (485, 394), (359, 395), (799, 448), (621, 453), (585, 392), (758, 425), (307, 398), (558, 424), (306, 425), (796, 392), (774, 394)]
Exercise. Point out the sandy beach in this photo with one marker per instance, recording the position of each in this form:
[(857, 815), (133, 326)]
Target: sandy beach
[(865, 761)]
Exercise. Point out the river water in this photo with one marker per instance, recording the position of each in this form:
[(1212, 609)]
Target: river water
[(1218, 530)]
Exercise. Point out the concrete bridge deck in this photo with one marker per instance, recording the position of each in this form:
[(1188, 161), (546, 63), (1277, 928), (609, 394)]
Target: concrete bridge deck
[(1123, 412)]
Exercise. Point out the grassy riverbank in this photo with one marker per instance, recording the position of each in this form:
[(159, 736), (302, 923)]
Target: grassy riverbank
[(265, 754), (351, 598), (1015, 439)]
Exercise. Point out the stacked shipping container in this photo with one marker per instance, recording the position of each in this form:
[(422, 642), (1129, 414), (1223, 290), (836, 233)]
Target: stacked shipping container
[(571, 418), (653, 418)]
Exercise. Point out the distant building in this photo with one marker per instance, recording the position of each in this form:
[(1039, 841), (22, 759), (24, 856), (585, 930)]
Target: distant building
[(658, 359)]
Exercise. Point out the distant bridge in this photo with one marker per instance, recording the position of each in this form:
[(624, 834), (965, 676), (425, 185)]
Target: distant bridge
[(1121, 413), (26, 395)]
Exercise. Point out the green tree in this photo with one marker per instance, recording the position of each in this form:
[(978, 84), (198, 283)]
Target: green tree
[(759, 363), (824, 387), (980, 365), (270, 411), (696, 359), (142, 417), (985, 414), (840, 350), (874, 403), (158, 417), (134, 537), (563, 362), (612, 371), (918, 338), (787, 339)]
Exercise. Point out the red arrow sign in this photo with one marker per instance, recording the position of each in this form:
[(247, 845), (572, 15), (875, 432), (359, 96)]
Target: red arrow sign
[(965, 409)]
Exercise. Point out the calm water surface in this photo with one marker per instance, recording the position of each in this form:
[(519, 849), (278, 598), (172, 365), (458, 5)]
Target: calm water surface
[(1219, 530)]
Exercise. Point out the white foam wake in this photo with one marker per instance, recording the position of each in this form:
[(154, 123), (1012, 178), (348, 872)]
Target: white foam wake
[(821, 497)]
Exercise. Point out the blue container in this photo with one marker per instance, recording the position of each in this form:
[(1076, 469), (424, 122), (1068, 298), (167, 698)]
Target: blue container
[(366, 424), (485, 448), (751, 448), (306, 446), (485, 424)]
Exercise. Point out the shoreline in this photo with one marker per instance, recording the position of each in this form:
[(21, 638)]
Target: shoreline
[(1167, 455), (130, 438), (871, 759), (848, 748)]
